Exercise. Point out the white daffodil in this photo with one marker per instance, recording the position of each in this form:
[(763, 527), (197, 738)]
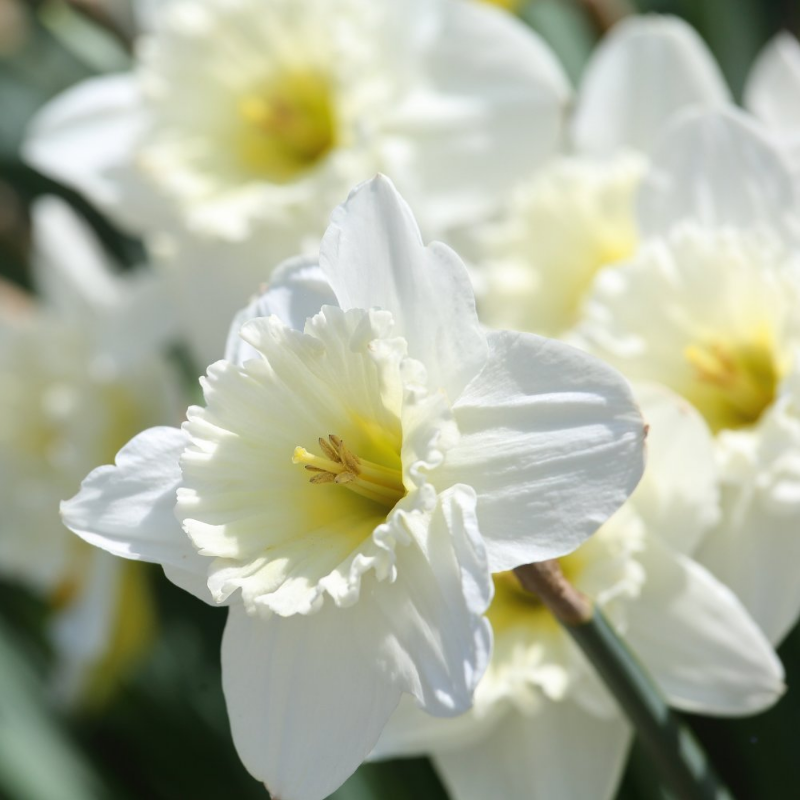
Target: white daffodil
[(709, 307), (566, 221), (772, 93), (543, 726), (536, 264), (245, 122), (347, 487), (78, 377)]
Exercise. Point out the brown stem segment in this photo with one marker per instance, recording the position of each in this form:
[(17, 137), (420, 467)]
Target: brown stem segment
[(604, 14), (546, 580)]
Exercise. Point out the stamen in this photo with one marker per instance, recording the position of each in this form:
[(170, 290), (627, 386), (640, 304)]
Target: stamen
[(323, 477), (341, 466), (328, 450)]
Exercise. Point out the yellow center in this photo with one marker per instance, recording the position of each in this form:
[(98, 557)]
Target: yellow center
[(515, 607), (339, 466), (734, 383), (288, 126)]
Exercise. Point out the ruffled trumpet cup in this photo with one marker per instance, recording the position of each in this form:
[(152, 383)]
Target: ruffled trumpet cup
[(350, 482)]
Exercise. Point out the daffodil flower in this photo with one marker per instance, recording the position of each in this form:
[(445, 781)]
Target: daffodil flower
[(709, 307), (245, 122), (80, 373), (543, 725), (347, 488), (574, 216)]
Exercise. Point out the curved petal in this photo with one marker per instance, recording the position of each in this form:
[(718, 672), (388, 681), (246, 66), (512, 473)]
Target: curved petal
[(492, 109), (410, 732), (431, 617), (551, 441), (561, 751), (716, 168), (128, 509), (128, 314), (697, 640), (71, 270), (645, 71), (306, 705), (772, 91), (296, 291), (86, 137), (678, 497), (210, 280), (372, 255), (756, 547)]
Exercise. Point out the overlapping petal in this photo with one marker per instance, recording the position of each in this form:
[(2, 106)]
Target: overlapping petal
[(305, 700), (772, 91), (678, 497), (86, 138), (485, 115), (551, 441), (128, 509), (618, 105), (756, 546), (560, 751), (716, 168), (372, 255), (705, 651), (296, 291)]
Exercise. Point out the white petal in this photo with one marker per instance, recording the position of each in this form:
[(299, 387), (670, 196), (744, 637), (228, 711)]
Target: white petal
[(697, 640), (645, 71), (306, 704), (678, 497), (756, 548), (559, 752), (715, 168), (431, 616), (128, 509), (373, 255), (410, 732), (210, 280), (128, 315), (296, 291), (552, 442), (70, 267), (86, 136), (492, 109), (772, 91)]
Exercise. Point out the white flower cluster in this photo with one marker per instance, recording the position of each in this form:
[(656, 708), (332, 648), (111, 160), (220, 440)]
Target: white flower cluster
[(371, 462)]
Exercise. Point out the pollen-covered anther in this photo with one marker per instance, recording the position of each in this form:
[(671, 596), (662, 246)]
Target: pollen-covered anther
[(341, 466)]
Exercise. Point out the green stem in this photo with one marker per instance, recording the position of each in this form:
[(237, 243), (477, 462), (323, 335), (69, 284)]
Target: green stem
[(676, 754), (679, 758)]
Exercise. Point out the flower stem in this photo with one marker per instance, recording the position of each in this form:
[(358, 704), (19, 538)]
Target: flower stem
[(681, 762)]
